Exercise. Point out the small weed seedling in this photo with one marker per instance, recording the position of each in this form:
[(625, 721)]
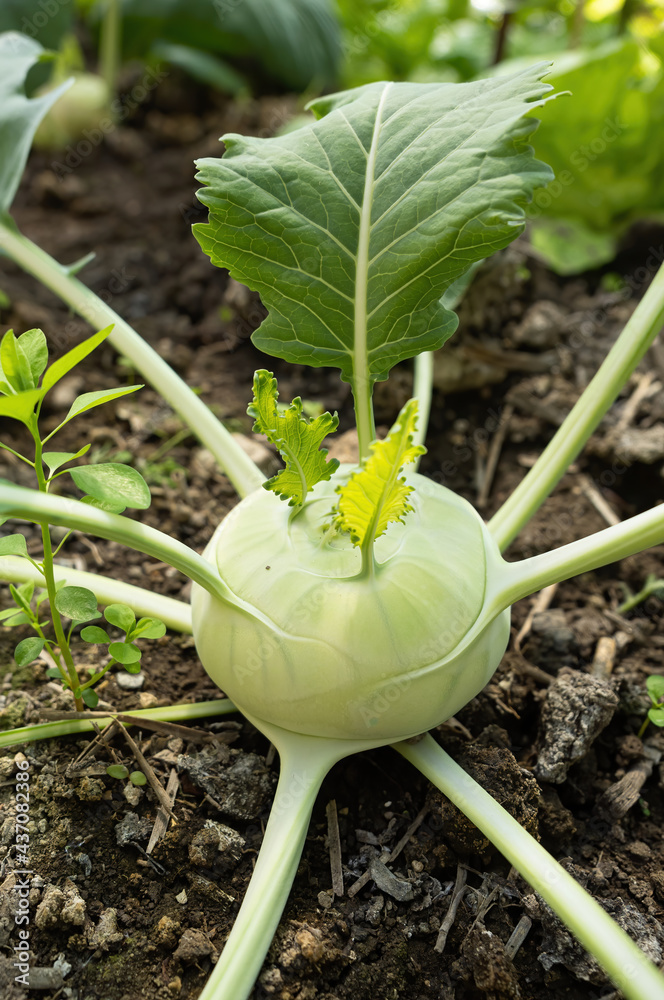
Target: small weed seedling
[(653, 587), (121, 772), (25, 380), (361, 606), (655, 689)]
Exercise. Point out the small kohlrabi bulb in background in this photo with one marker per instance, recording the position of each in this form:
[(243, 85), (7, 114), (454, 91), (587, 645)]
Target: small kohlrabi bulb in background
[(82, 108)]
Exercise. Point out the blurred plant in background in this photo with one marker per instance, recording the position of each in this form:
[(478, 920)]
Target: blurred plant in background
[(291, 43), (605, 147), (458, 40), (604, 143)]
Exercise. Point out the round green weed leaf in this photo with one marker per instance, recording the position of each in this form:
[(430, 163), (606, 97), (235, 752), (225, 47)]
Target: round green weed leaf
[(655, 687), (92, 633), (149, 628), (110, 508), (13, 545), (90, 698), (656, 716), (120, 615), (77, 603), (28, 650), (125, 652), (138, 778)]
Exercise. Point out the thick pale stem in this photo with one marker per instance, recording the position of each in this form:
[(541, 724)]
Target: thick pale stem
[(237, 465), (644, 325), (364, 415), (523, 578), (66, 727), (422, 391), (43, 508), (621, 959), (304, 763), (15, 501), (176, 615)]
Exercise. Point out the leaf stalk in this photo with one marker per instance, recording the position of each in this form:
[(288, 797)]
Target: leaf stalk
[(618, 955)]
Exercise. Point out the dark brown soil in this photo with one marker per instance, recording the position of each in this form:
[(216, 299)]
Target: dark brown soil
[(528, 340)]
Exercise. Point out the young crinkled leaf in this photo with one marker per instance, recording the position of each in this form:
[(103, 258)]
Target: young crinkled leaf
[(298, 440), (375, 496), (353, 228)]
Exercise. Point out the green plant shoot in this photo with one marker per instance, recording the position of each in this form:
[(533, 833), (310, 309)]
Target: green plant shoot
[(655, 689), (25, 380)]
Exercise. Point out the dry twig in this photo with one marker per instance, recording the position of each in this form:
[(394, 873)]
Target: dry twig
[(493, 456), (334, 843), (161, 821), (540, 603), (458, 892), (153, 781)]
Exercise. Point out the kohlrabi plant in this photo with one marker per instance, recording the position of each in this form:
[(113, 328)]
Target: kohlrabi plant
[(345, 608)]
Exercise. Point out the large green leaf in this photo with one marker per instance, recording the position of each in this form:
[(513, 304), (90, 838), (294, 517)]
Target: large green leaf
[(354, 227), (45, 20), (19, 114)]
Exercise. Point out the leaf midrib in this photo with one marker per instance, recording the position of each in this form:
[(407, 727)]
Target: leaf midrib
[(361, 388)]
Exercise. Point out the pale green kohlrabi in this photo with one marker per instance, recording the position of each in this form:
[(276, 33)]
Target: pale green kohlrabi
[(352, 230)]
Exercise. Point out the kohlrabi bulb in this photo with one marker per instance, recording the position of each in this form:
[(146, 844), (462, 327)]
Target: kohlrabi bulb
[(81, 109), (349, 656)]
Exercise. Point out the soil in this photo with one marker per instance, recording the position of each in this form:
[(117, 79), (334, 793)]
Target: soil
[(553, 736)]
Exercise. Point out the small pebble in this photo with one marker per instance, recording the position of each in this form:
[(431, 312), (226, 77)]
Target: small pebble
[(130, 682)]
